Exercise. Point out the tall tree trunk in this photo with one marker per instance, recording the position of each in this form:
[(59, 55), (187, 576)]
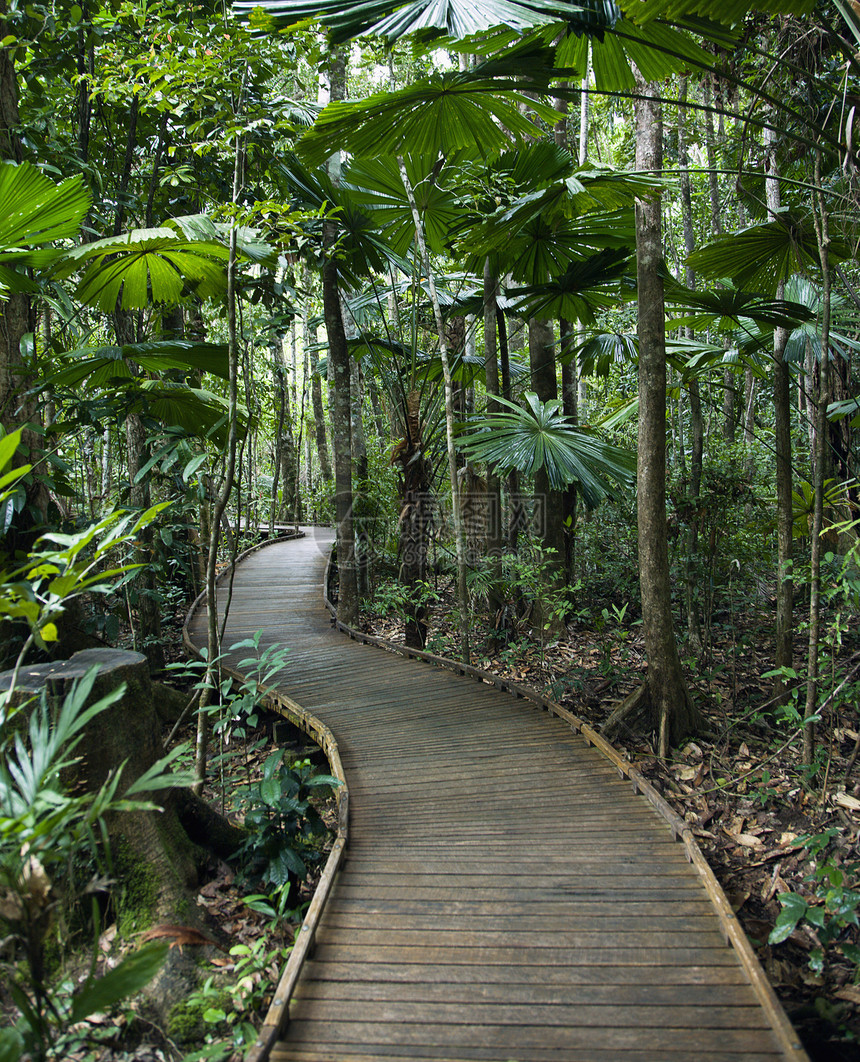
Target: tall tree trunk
[(459, 531), (665, 697), (570, 408), (137, 454), (416, 514), (17, 321), (548, 503), (784, 652), (213, 640), (359, 459), (339, 390), (281, 395), (819, 462), (697, 428), (496, 600), (310, 341), (516, 512)]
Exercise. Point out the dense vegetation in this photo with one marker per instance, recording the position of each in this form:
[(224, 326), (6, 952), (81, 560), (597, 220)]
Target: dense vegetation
[(553, 314)]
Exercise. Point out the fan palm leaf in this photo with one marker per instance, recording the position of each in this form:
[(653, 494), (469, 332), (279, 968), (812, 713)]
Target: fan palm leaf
[(441, 115), (583, 289), (33, 212), (451, 18), (376, 186), (540, 436), (103, 367), (761, 256), (727, 12)]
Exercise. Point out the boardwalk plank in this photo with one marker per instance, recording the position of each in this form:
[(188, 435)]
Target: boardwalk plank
[(505, 895)]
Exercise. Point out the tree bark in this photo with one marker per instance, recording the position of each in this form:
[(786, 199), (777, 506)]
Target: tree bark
[(548, 502), (156, 855), (456, 511), (697, 427), (784, 650), (339, 392), (309, 334), (496, 600), (819, 462), (668, 704)]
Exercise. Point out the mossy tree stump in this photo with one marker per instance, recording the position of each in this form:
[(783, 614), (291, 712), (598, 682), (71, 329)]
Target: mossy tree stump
[(156, 854)]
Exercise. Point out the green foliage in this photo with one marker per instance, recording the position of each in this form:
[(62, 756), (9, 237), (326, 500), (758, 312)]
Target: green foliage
[(38, 591), (221, 1015), (392, 598), (44, 830), (829, 909), (444, 114), (34, 212), (285, 830), (540, 436)]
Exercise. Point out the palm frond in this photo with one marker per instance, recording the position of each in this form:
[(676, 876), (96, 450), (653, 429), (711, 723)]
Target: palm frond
[(540, 436), (438, 116)]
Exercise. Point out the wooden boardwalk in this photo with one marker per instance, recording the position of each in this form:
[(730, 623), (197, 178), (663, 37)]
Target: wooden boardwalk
[(505, 895)]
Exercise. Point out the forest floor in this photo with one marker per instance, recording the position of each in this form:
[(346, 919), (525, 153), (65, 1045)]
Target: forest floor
[(741, 787)]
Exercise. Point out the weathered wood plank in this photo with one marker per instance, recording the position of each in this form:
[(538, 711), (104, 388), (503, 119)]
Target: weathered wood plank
[(505, 893)]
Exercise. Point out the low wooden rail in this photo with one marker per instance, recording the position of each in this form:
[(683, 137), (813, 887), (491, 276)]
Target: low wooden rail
[(786, 1043), (277, 701)]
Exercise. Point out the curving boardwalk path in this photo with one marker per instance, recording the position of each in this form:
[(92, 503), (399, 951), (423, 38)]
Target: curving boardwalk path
[(506, 896)]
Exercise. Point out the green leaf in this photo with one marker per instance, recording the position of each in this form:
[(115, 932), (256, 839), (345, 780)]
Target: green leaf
[(376, 186), (579, 293), (438, 116), (285, 864), (109, 366), (9, 446), (761, 256), (393, 20), (145, 266), (34, 210), (270, 791), (11, 1045), (727, 12), (126, 980), (794, 908), (540, 436)]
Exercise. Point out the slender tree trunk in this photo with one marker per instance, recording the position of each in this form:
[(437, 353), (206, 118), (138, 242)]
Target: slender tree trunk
[(570, 408), (281, 392), (17, 321), (784, 650), (359, 459), (583, 113), (496, 600), (549, 502), (317, 405), (665, 698), (516, 513), (459, 531), (213, 641), (339, 392), (697, 430), (819, 463)]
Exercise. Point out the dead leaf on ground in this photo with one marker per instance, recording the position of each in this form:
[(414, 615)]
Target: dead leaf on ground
[(747, 840), (179, 935), (850, 993), (846, 801)]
